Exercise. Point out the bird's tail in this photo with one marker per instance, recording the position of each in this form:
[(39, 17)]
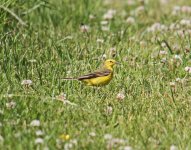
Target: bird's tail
[(69, 78)]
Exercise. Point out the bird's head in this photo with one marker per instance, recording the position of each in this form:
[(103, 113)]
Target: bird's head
[(109, 63)]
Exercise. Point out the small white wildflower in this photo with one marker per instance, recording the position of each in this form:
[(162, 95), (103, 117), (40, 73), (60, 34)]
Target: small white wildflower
[(172, 84), (107, 136), (163, 44), (176, 10), (68, 146), (17, 135), (164, 2), (74, 141), (39, 141), (177, 57), (104, 56), (131, 2), (109, 14), (35, 123), (185, 22), (130, 20), (105, 28), (157, 27), (109, 110), (117, 141), (139, 10), (68, 72), (173, 147), (186, 9), (100, 41), (143, 43), (93, 134), (178, 80), (127, 148), (187, 69), (180, 33), (9, 95), (45, 148), (39, 133), (61, 97), (104, 22), (84, 28), (91, 17), (26, 82), (120, 96), (11, 105), (162, 52)]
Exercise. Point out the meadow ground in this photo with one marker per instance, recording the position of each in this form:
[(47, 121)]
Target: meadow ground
[(147, 104)]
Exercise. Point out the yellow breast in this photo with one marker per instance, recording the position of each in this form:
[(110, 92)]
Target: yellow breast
[(99, 81)]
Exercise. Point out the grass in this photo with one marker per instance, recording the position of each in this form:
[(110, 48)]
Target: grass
[(47, 45)]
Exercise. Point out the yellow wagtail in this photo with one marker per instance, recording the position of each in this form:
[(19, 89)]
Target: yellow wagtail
[(100, 77)]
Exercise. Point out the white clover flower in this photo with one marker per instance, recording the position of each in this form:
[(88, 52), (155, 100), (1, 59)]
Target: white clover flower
[(131, 2), (107, 136), (100, 41), (173, 147), (127, 148), (109, 14), (164, 2), (177, 57), (176, 10), (26, 82), (139, 10), (39, 133), (157, 27), (105, 28), (104, 22), (68, 146), (130, 20), (74, 141), (180, 33), (178, 79), (109, 110), (114, 141), (187, 69), (91, 17), (163, 44), (120, 96), (185, 22), (35, 123), (104, 56), (85, 28), (92, 134), (172, 84), (186, 9), (143, 43), (162, 52), (39, 141), (11, 105)]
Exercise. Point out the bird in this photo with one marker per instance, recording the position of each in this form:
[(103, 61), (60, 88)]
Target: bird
[(100, 77)]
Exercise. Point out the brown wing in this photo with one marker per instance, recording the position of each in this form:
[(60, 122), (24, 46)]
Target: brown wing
[(96, 74)]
